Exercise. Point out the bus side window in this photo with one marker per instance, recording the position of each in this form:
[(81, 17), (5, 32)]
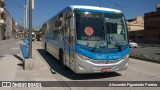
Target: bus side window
[(71, 37), (67, 29), (69, 32)]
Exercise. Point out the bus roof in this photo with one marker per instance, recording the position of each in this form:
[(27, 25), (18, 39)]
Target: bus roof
[(90, 8), (93, 8)]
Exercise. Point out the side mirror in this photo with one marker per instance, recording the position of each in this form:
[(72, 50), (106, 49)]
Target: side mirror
[(119, 48)]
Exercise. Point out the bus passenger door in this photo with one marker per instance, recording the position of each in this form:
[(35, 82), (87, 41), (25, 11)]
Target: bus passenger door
[(68, 45)]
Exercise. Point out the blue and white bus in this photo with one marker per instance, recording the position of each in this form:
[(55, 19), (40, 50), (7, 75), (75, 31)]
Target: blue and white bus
[(88, 39)]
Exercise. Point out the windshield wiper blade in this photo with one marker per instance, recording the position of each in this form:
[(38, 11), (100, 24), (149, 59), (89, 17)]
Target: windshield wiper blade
[(118, 45), (101, 44), (95, 46)]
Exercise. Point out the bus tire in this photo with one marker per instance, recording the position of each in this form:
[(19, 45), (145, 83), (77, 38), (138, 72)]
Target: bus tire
[(61, 58)]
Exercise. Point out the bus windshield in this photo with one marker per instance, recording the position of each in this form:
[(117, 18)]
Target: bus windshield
[(100, 30)]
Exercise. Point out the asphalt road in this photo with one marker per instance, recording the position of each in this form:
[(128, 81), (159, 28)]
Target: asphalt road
[(137, 71), (148, 52)]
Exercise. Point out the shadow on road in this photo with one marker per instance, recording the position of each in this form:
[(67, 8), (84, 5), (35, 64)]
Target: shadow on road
[(56, 66), (18, 57), (157, 53)]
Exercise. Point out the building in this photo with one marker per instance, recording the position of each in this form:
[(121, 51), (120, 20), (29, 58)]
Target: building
[(2, 20), (15, 28), (152, 26), (8, 26), (135, 24), (136, 29)]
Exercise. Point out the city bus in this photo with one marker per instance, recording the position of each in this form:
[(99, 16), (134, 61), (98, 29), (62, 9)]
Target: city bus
[(88, 39), (33, 36)]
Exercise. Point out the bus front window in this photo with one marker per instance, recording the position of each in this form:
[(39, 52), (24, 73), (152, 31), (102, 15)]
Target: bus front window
[(115, 30), (89, 28), (100, 30)]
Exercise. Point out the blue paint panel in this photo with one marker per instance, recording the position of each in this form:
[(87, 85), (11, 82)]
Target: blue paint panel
[(110, 54), (26, 41), (24, 51)]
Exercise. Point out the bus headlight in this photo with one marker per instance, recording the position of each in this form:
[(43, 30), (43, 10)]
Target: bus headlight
[(124, 57), (83, 57)]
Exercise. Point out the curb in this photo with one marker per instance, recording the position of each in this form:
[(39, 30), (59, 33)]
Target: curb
[(145, 59)]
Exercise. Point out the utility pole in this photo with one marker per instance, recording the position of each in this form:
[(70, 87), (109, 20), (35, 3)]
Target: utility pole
[(25, 18), (30, 29), (122, 7)]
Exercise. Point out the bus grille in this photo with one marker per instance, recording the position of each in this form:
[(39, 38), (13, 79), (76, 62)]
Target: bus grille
[(105, 61)]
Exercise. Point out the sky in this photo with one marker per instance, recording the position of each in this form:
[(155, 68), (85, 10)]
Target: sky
[(45, 9)]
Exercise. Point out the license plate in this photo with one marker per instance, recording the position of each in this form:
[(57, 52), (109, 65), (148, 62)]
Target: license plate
[(105, 69)]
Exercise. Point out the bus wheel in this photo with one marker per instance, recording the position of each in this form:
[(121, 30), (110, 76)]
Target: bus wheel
[(61, 58)]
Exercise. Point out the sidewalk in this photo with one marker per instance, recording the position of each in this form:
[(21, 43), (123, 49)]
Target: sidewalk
[(11, 69)]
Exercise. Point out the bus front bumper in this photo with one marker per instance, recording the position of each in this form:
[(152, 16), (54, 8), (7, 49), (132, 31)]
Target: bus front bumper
[(84, 66)]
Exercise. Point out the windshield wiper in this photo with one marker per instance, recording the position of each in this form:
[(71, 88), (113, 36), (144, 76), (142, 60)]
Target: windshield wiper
[(118, 45), (95, 46), (101, 44), (109, 41)]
